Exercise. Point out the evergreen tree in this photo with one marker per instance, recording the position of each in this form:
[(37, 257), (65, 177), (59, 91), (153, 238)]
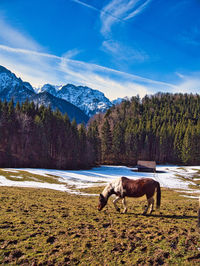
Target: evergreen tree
[(187, 146), (82, 145), (94, 140), (106, 142), (131, 144), (118, 144)]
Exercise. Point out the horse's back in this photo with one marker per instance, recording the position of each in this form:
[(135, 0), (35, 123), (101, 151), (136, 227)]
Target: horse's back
[(140, 181), (138, 187)]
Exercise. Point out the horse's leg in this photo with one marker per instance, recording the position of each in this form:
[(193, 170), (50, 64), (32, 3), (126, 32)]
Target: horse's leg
[(115, 201), (148, 204), (124, 204), (152, 204)]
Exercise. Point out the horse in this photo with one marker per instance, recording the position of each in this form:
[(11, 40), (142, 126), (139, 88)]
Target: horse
[(125, 187)]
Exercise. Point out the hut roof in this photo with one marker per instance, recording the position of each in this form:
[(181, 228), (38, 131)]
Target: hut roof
[(146, 164)]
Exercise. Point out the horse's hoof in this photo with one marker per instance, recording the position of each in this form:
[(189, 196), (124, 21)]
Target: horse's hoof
[(151, 212), (144, 213)]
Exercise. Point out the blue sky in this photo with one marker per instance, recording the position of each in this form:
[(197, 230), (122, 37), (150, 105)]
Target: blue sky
[(120, 47)]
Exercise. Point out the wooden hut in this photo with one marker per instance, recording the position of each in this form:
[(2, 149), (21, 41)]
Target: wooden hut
[(146, 166)]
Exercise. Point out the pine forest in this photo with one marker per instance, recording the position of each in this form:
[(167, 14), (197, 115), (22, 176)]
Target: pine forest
[(162, 127)]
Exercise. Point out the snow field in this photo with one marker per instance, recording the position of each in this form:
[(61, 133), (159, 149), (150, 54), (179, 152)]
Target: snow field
[(72, 181)]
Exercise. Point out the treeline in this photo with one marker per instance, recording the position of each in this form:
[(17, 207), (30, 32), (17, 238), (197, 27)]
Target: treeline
[(32, 136), (163, 127)]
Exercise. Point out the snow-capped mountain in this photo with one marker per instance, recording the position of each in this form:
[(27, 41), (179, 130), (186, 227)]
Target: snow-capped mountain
[(89, 100), (73, 112), (50, 89), (8, 80), (12, 87), (86, 99)]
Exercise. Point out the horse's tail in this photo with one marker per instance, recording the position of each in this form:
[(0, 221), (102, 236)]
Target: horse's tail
[(158, 198)]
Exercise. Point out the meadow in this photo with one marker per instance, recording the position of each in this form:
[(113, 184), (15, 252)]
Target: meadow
[(48, 227)]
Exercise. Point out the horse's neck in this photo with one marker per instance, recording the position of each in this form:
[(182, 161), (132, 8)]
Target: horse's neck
[(108, 191)]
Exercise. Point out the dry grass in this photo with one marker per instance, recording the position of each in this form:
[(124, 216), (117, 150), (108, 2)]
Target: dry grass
[(45, 227), (20, 175)]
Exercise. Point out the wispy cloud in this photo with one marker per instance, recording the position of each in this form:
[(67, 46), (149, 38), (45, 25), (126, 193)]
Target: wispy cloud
[(116, 11), (137, 9), (86, 5), (99, 10), (32, 64), (39, 68), (191, 37), (120, 10), (27, 52), (189, 83), (10, 35), (123, 52)]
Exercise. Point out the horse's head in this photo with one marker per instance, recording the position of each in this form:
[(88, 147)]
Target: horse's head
[(102, 202)]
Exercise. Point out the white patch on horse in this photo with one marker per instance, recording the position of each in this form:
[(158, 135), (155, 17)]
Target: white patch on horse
[(116, 186), (106, 190), (115, 201), (124, 204)]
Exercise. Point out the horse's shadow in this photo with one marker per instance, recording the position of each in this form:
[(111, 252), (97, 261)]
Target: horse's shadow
[(173, 216)]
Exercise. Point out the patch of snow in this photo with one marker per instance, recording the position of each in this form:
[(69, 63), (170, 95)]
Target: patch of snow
[(10, 170), (6, 182), (100, 176), (191, 197), (18, 177)]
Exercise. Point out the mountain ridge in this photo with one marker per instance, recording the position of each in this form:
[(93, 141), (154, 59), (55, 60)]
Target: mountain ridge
[(13, 88), (45, 98), (87, 100)]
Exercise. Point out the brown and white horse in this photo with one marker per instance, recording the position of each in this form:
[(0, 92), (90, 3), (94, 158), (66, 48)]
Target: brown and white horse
[(125, 187)]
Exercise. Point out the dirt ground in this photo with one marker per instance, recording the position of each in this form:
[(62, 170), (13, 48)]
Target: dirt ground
[(46, 227)]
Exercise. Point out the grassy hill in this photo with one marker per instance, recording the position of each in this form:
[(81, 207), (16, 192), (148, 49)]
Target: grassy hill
[(41, 226)]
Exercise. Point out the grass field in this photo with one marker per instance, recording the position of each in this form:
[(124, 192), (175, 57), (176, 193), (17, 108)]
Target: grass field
[(47, 227)]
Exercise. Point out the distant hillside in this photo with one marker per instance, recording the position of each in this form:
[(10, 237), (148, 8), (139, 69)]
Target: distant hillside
[(164, 128)]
